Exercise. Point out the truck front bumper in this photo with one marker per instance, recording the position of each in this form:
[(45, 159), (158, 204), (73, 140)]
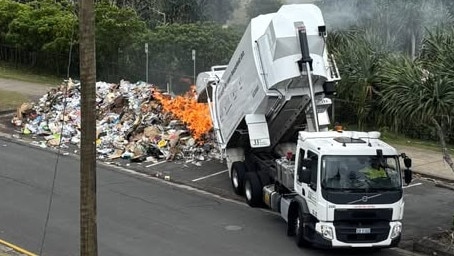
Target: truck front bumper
[(327, 235)]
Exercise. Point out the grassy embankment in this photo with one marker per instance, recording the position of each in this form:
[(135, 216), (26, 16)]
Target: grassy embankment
[(10, 99), (396, 139)]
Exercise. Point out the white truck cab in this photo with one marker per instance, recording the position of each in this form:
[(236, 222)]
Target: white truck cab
[(348, 204)]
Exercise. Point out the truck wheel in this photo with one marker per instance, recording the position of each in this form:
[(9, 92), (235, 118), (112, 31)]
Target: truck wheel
[(291, 224), (301, 229), (253, 189), (237, 177)]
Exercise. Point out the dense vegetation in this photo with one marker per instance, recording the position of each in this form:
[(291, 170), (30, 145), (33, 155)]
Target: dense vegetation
[(396, 57), (44, 35), (396, 61)]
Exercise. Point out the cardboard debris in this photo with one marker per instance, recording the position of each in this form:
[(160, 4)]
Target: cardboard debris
[(131, 123)]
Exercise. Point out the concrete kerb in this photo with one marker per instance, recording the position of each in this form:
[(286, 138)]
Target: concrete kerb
[(6, 112), (430, 246), (438, 181), (405, 252), (445, 185)]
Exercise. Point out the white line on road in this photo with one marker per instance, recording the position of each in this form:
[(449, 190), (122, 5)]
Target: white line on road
[(211, 175), (146, 176), (156, 164), (413, 185)]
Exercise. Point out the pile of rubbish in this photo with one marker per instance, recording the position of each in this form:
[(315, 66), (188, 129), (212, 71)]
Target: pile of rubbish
[(135, 121)]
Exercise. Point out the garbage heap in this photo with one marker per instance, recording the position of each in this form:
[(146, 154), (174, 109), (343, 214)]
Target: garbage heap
[(135, 121)]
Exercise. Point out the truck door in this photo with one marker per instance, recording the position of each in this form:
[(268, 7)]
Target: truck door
[(308, 190)]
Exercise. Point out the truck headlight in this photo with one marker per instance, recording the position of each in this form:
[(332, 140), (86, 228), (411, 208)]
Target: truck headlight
[(397, 229), (327, 232)]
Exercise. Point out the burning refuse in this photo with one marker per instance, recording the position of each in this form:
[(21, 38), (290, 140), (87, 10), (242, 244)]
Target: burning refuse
[(195, 115), (135, 121)]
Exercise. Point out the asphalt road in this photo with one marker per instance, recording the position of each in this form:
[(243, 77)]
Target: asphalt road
[(428, 207), (142, 216)]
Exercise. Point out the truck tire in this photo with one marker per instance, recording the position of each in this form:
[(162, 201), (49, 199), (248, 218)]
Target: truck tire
[(237, 177), (292, 220), (301, 229), (253, 189)]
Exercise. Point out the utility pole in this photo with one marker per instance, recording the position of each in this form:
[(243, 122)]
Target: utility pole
[(88, 227)]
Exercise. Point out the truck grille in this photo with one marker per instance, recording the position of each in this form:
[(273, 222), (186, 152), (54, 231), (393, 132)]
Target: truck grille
[(362, 226)]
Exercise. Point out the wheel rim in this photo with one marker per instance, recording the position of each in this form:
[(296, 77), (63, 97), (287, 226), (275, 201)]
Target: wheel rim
[(297, 225), (247, 191), (235, 178)]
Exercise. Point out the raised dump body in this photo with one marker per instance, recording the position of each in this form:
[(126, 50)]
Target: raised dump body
[(262, 96)]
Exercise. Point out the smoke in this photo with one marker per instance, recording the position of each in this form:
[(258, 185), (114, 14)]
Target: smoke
[(338, 14), (396, 14), (412, 14), (299, 1), (436, 13), (342, 14)]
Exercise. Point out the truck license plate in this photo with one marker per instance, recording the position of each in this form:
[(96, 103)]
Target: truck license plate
[(363, 231)]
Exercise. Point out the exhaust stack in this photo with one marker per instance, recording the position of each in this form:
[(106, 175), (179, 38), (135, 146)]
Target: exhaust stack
[(306, 58)]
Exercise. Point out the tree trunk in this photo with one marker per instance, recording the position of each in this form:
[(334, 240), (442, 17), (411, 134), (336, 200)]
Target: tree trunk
[(444, 149)]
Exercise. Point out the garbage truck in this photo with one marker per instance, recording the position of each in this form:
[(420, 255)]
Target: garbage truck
[(270, 113)]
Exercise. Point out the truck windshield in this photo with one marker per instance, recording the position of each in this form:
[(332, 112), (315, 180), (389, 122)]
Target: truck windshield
[(364, 173)]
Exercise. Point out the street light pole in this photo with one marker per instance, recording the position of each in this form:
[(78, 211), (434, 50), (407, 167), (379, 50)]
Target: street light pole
[(146, 54), (193, 58)]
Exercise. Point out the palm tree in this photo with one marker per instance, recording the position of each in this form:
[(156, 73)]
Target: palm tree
[(386, 27), (421, 91), (358, 60), (376, 72), (438, 53)]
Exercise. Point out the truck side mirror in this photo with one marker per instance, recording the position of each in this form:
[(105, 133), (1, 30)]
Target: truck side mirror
[(407, 162), (408, 176)]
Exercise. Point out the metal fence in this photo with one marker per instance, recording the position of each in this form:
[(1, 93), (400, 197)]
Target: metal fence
[(129, 65), (49, 63)]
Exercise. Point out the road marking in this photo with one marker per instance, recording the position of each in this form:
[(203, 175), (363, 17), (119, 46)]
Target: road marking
[(211, 175), (413, 185), (156, 164), (182, 186), (17, 248)]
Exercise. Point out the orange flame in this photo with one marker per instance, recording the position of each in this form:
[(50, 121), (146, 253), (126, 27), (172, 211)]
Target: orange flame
[(195, 115)]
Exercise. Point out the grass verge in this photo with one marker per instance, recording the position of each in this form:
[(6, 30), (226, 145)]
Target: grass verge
[(11, 100), (402, 140), (398, 139), (7, 71)]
